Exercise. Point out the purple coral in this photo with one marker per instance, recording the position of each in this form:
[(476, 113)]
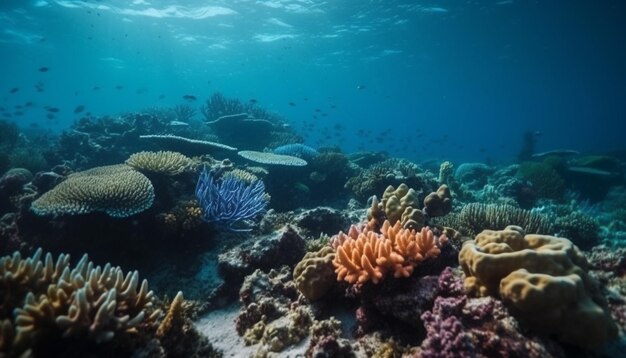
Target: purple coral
[(231, 202)]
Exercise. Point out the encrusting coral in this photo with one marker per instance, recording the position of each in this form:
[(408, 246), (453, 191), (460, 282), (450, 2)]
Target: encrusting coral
[(161, 162), (543, 280), (118, 190), (54, 299), (364, 256)]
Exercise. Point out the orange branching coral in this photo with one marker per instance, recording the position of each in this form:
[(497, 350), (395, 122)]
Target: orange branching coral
[(365, 255)]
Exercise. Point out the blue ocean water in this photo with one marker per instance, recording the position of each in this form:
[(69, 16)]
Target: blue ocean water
[(456, 80)]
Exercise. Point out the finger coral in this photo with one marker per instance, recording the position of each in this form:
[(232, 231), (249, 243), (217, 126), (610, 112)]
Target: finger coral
[(161, 162), (364, 256), (50, 298), (118, 190)]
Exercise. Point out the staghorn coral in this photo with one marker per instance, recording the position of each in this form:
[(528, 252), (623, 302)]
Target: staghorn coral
[(314, 274), (272, 159), (161, 162), (86, 301), (364, 256), (543, 280), (118, 190)]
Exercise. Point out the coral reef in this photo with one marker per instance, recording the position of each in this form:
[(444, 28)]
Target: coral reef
[(394, 172), (117, 190), (543, 280), (230, 203), (284, 247), (364, 256), (161, 162)]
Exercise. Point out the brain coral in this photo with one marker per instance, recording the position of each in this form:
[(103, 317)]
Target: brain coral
[(117, 190), (314, 274), (161, 162), (543, 280)]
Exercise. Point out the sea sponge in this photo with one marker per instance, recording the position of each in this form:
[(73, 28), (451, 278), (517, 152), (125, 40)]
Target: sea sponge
[(314, 274), (161, 162), (543, 280), (50, 298), (117, 190), (364, 256)]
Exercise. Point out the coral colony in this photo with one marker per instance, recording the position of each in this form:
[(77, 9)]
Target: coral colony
[(230, 203)]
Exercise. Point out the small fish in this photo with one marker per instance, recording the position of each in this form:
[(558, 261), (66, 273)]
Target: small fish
[(333, 106), (28, 104), (43, 69), (14, 90), (189, 98), (119, 87), (96, 88), (360, 87), (252, 100), (50, 116), (52, 109), (178, 124), (79, 109), (162, 96), (317, 110), (18, 113), (291, 104)]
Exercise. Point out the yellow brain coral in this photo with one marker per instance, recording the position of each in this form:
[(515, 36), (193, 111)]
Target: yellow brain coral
[(117, 190), (364, 256), (314, 274), (544, 281), (161, 162)]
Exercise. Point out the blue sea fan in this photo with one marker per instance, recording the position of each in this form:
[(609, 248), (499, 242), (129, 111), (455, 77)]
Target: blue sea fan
[(297, 150), (230, 203)]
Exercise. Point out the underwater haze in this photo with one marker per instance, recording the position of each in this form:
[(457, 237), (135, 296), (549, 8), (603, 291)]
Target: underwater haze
[(459, 80)]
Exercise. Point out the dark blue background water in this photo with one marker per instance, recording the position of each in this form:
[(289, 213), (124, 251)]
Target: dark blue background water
[(456, 80)]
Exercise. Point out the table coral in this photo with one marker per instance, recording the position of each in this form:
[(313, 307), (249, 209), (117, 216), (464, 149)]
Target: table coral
[(543, 280), (161, 162), (118, 190)]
